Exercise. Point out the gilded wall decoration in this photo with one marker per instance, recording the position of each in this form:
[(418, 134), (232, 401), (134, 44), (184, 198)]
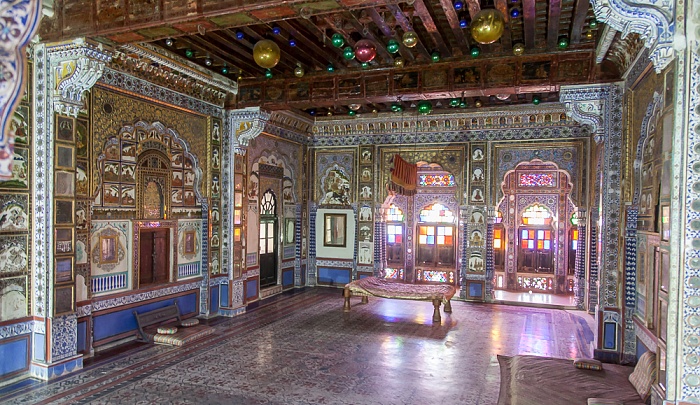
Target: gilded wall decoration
[(110, 110), (109, 251)]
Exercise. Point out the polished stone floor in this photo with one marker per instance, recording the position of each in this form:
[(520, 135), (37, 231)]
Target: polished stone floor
[(303, 349)]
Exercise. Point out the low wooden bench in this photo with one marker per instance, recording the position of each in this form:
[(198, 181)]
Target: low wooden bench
[(169, 317), (379, 287)]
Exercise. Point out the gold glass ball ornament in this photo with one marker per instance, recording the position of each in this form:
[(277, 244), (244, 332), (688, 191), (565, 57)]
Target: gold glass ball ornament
[(518, 49), (299, 71), (487, 26), (398, 63), (410, 39), (266, 53)]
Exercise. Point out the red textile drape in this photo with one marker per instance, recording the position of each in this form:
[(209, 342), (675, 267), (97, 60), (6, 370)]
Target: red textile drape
[(404, 176)]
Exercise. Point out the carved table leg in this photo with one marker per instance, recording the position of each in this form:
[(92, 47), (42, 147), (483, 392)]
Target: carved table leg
[(365, 299), (448, 307), (436, 312), (346, 294)]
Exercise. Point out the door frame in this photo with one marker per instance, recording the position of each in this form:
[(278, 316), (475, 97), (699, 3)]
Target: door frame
[(137, 226)]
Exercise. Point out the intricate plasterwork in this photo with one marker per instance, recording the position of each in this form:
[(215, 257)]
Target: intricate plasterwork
[(19, 22), (81, 66), (247, 124), (178, 64), (143, 296), (653, 20)]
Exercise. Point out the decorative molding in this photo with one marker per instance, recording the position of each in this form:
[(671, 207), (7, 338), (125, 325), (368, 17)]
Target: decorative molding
[(162, 57), (143, 296), (604, 43), (81, 65), (22, 328), (20, 18), (653, 20), (247, 124)]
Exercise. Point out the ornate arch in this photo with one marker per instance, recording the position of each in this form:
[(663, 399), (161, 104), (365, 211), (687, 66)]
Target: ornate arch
[(649, 123)]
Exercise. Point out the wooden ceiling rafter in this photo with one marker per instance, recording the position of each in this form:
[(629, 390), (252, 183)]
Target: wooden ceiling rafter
[(553, 13), (457, 30), (406, 27), (429, 25), (577, 25), (502, 7), (241, 61), (389, 32), (323, 52), (473, 6), (529, 23)]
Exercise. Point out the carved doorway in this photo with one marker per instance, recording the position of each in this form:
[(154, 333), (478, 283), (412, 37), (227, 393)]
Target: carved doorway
[(268, 240), (154, 254)]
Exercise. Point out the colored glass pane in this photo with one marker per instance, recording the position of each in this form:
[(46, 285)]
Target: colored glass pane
[(530, 244), (448, 240), (435, 276), (391, 238), (496, 243), (547, 245), (436, 180), (540, 244), (524, 234), (422, 239), (523, 244), (574, 244), (441, 239), (436, 213), (575, 234), (497, 234), (399, 238), (537, 180), (431, 240), (394, 214)]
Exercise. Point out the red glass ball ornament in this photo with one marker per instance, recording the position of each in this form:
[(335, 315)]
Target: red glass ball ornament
[(365, 50)]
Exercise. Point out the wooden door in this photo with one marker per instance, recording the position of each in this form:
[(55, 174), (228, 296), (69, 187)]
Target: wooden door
[(268, 251), (154, 256), (535, 254)]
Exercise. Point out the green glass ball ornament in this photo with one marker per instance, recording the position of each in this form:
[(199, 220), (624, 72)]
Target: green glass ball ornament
[(392, 46), (351, 113), (563, 43), (396, 107), (462, 104), (189, 53), (410, 39), (398, 63), (425, 107), (299, 71), (268, 74), (330, 68), (475, 52), (593, 23), (337, 40), (536, 100), (518, 49), (348, 53), (435, 56), (454, 102), (224, 70), (365, 65)]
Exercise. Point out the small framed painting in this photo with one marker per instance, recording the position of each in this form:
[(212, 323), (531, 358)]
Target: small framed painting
[(65, 128), (65, 157), (334, 230), (64, 240), (63, 269), (190, 242), (64, 299), (108, 249), (64, 212)]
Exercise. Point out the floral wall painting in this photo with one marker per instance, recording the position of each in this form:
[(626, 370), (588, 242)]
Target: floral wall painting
[(108, 251), (19, 126), (81, 256), (128, 151), (365, 213), (334, 230), (13, 213), (127, 173), (476, 262), (20, 162), (477, 154), (81, 180), (336, 188), (13, 254), (366, 156), (13, 298), (476, 218), (81, 139)]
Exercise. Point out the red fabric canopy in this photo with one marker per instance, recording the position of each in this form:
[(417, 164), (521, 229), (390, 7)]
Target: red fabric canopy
[(404, 176)]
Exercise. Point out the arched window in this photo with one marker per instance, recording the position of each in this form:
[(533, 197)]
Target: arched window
[(268, 245), (436, 236), (394, 236), (537, 215)]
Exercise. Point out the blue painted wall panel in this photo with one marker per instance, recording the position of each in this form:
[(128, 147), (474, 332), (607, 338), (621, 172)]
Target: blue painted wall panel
[(214, 301), (14, 356), (82, 336), (338, 277), (223, 298), (251, 288), (287, 278), (39, 347), (118, 322)]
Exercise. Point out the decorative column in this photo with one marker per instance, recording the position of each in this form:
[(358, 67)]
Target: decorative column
[(580, 264), (242, 126), (462, 253), (600, 108), (62, 75), (380, 240), (490, 255), (19, 22)]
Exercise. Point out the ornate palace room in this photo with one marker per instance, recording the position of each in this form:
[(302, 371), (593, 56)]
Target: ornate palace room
[(350, 202)]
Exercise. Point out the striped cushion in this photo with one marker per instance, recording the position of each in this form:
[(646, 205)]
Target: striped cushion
[(644, 374), (588, 364), (189, 322), (167, 330)]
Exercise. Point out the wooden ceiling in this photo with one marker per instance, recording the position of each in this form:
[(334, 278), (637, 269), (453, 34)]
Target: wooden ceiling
[(220, 35)]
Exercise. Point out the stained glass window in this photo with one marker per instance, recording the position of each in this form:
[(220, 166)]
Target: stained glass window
[(394, 233), (574, 239), (435, 276), (435, 245), (537, 215), (436, 180), (537, 180), (497, 238), (531, 238), (499, 217), (268, 205), (574, 219), (536, 283), (436, 213), (394, 214), (396, 274)]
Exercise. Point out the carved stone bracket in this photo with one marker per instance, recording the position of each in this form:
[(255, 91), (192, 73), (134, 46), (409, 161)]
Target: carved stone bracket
[(248, 123), (76, 68), (585, 107), (652, 20), (19, 22)]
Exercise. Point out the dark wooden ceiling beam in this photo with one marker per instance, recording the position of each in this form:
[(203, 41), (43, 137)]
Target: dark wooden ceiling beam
[(237, 58), (577, 25), (430, 26), (322, 52), (406, 26), (553, 15), (529, 22), (502, 6), (473, 6), (453, 20), (390, 33), (336, 24)]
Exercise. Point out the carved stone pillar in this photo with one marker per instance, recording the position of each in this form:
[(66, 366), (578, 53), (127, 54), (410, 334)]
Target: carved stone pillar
[(600, 108), (580, 264), (19, 22), (62, 75)]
